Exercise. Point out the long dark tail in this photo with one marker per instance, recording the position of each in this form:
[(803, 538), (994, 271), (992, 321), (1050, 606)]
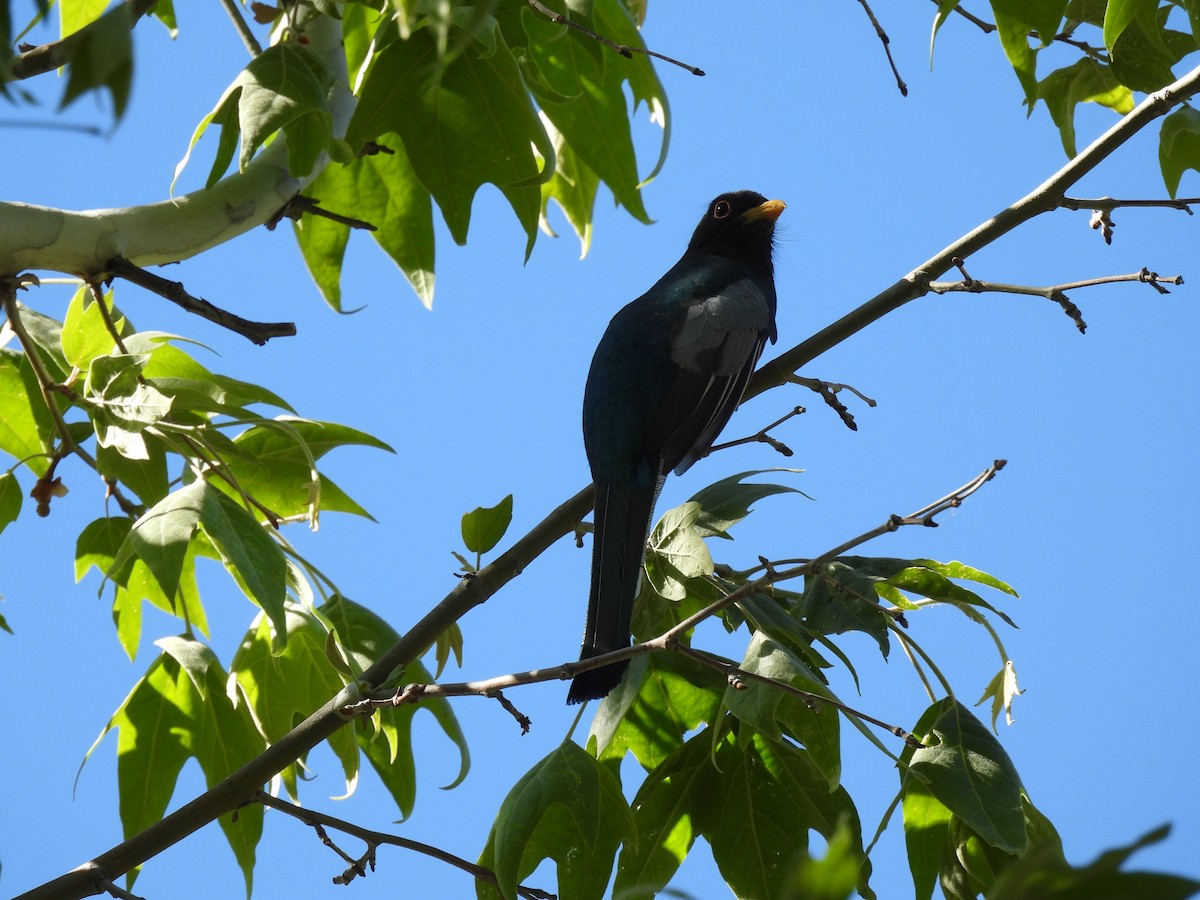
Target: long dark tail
[(622, 523)]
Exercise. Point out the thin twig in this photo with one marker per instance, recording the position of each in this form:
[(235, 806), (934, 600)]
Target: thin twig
[(1056, 292), (624, 49), (732, 672), (762, 436), (240, 26), (887, 47), (256, 332), (377, 838), (299, 205), (1182, 203), (98, 299)]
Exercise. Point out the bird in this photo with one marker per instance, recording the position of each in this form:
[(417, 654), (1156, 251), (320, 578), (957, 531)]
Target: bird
[(666, 376)]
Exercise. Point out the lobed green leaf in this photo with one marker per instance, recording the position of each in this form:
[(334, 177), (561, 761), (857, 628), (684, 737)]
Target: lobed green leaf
[(568, 808)]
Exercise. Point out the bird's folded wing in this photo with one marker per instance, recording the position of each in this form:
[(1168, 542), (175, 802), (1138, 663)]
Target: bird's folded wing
[(716, 347)]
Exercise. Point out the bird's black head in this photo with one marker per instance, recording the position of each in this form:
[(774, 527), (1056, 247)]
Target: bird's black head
[(739, 226)]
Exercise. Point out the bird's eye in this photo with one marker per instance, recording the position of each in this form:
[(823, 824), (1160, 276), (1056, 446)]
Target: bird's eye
[(721, 209)]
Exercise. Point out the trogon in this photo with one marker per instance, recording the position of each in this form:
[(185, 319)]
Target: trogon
[(667, 375)]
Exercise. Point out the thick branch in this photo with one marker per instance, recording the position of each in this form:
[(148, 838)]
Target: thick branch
[(80, 243)]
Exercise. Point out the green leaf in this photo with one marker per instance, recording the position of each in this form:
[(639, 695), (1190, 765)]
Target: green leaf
[(945, 7), (145, 477), (161, 535), (587, 104), (926, 834), (1145, 52), (573, 187), (10, 499), (568, 808), (483, 527), (1085, 81), (282, 688), (1003, 690), (728, 501), (474, 125), (1179, 146), (165, 721), (677, 554), (123, 404), (1117, 16), (1045, 875), (46, 334), (929, 583), (663, 813), (84, 333), (766, 708), (365, 636), (26, 428), (661, 698), (382, 189), (284, 88), (970, 773), (840, 598), (1015, 19), (275, 462), (764, 800), (249, 554), (98, 545), (101, 56)]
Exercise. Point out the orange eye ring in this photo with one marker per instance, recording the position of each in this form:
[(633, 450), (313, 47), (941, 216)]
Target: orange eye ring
[(721, 209)]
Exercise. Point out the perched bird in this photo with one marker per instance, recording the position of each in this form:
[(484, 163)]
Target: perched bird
[(668, 373)]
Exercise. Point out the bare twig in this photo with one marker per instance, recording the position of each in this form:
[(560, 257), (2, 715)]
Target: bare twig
[(256, 332), (828, 391), (762, 436), (373, 839), (624, 49), (1056, 292), (98, 299), (114, 890), (299, 205), (1182, 203), (240, 26), (887, 47)]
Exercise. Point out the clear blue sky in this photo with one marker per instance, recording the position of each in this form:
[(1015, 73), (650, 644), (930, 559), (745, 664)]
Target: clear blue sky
[(1093, 521)]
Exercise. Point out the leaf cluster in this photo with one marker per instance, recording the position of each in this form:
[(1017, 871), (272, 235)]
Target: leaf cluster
[(1121, 48)]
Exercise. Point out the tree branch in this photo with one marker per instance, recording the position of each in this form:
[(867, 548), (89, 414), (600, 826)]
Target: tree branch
[(48, 57), (887, 47), (1045, 197), (255, 332), (670, 639), (375, 839), (624, 50), (81, 242)]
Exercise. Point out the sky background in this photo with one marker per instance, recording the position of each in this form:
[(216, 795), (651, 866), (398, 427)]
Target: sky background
[(1093, 521)]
